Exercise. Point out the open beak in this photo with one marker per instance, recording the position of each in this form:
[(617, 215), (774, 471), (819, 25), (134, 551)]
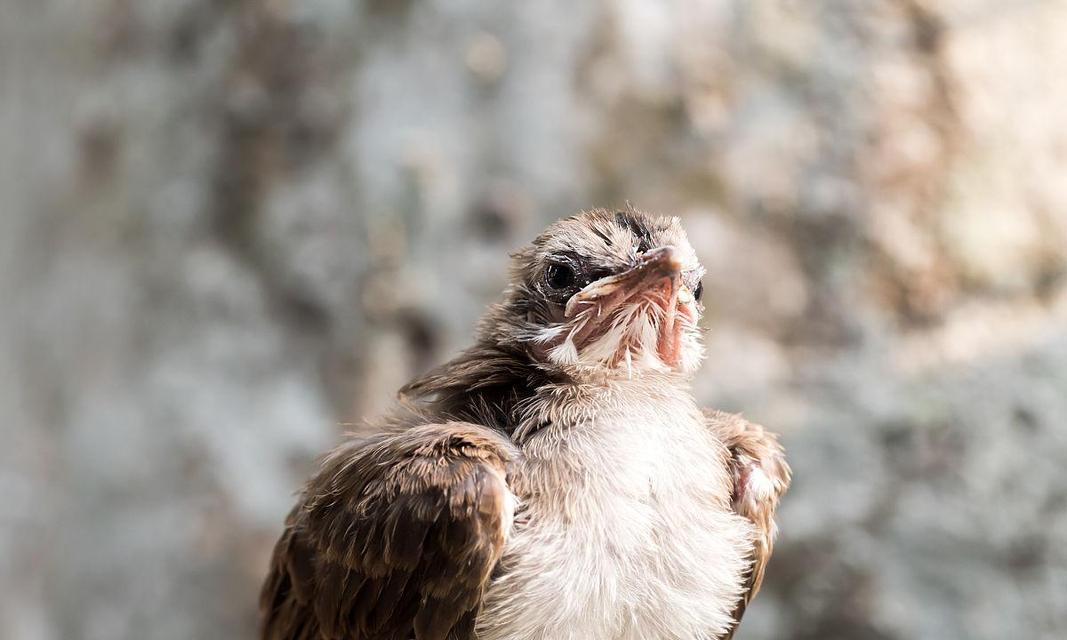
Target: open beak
[(655, 280)]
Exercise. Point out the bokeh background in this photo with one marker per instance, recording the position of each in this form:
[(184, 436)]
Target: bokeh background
[(230, 227)]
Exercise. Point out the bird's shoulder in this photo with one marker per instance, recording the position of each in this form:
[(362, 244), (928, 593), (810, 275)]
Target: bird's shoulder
[(395, 536), (760, 475)]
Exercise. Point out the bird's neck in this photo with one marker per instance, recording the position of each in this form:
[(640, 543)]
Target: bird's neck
[(501, 388), (485, 384)]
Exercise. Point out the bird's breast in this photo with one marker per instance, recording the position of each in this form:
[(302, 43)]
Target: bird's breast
[(623, 533)]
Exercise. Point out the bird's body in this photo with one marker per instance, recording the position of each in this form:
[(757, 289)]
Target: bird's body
[(556, 481)]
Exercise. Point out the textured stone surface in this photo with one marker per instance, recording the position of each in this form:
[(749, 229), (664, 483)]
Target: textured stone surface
[(230, 229)]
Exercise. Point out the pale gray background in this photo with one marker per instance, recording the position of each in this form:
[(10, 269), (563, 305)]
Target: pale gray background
[(229, 227)]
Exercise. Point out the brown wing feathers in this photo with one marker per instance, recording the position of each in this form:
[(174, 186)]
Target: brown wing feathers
[(751, 449), (395, 538)]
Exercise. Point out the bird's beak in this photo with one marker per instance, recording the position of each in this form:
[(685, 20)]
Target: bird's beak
[(657, 274), (653, 286)]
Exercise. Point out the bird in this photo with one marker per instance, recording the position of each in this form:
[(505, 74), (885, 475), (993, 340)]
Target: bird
[(556, 480)]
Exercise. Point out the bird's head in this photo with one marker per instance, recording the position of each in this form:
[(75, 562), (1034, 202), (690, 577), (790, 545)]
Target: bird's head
[(613, 293)]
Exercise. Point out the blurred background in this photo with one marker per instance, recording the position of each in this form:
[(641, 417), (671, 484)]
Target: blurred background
[(230, 227)]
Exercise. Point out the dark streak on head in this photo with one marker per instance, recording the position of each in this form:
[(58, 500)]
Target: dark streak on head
[(603, 236), (632, 223)]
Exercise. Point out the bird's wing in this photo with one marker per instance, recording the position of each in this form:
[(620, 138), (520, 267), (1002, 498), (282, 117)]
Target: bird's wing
[(393, 539), (760, 475)]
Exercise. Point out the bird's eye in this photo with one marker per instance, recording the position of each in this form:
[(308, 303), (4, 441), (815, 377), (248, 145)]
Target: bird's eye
[(559, 276), (699, 291)]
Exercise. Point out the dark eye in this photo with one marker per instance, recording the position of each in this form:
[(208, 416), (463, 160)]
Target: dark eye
[(699, 291), (559, 276)]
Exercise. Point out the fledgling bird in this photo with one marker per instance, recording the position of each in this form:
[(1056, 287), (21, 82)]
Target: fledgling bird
[(555, 481)]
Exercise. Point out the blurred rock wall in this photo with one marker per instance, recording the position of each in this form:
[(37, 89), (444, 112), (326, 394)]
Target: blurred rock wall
[(230, 228)]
